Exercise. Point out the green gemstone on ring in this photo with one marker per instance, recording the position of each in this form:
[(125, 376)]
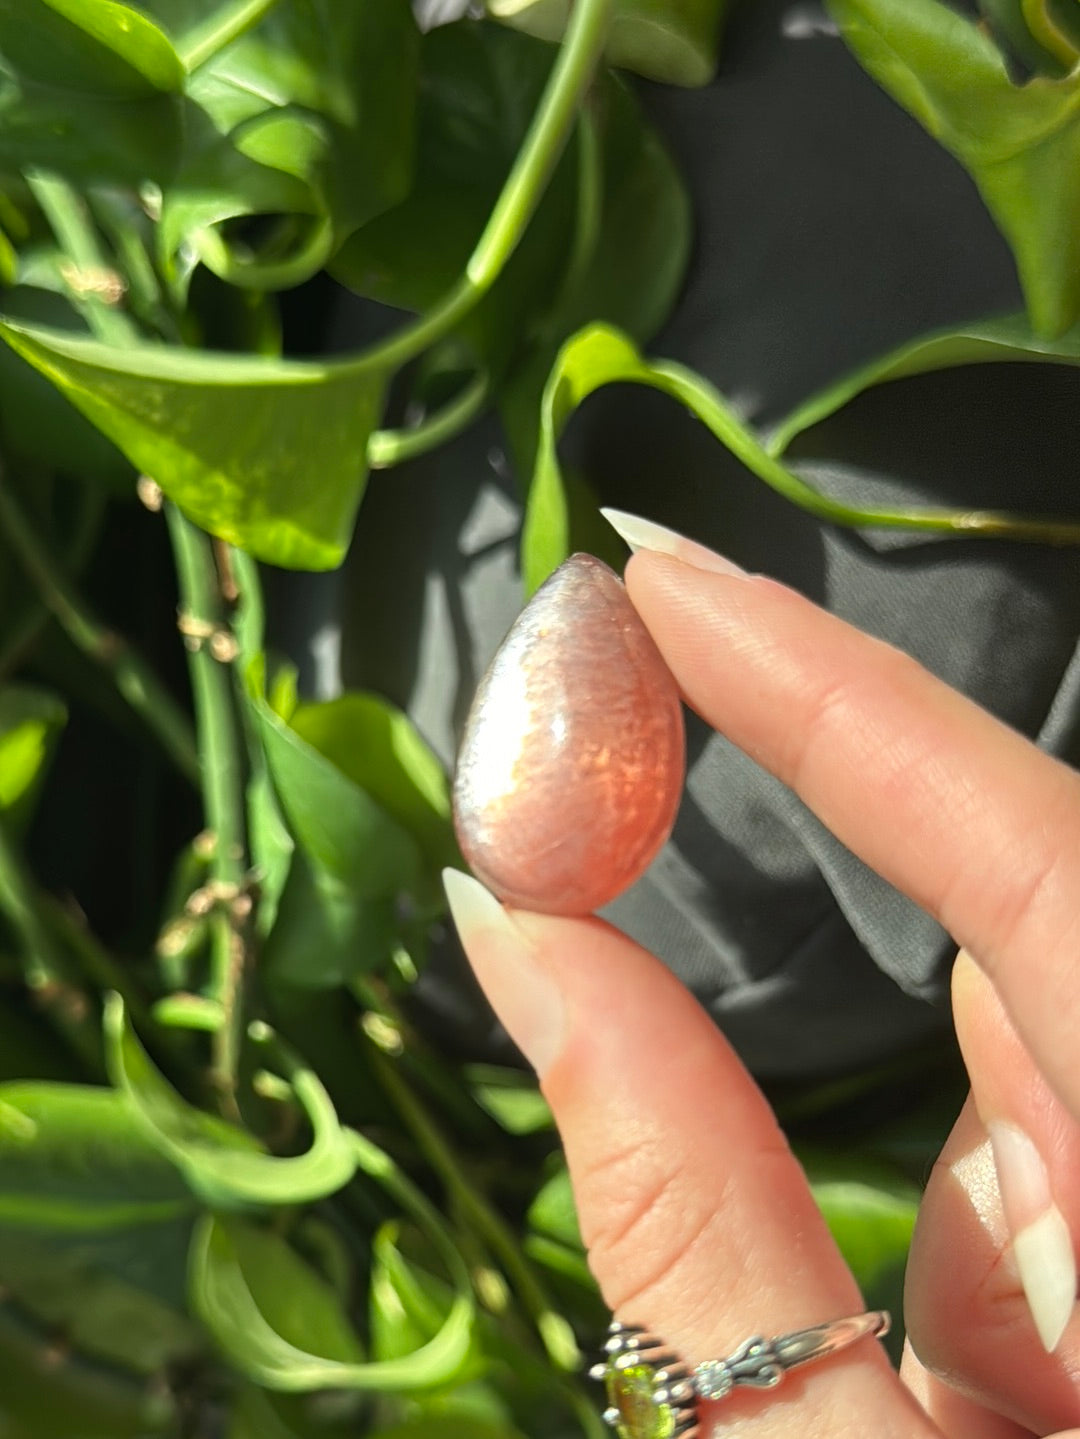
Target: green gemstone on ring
[(630, 1393)]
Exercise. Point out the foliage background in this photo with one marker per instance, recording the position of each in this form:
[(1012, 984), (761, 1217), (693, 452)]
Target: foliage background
[(320, 1207)]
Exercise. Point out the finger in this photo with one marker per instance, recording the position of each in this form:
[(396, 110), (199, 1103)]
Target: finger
[(957, 810), (698, 1220), (966, 1312), (953, 1413), (1036, 1148)]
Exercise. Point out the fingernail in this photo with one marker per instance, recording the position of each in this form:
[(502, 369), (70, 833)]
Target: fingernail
[(642, 534), (518, 990), (1042, 1244)]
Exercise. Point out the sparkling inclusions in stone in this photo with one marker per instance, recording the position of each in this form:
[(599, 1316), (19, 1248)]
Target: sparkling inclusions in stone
[(573, 758), (630, 1393)]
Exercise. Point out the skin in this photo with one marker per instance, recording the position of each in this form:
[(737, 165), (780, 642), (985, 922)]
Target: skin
[(698, 1220)]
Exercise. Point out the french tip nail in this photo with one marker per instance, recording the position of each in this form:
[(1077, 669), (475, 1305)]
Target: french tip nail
[(1041, 1240), (472, 905), (642, 534), (520, 992), (1047, 1265)]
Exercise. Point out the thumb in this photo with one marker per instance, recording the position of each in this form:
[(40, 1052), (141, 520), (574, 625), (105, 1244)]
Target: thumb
[(699, 1222)]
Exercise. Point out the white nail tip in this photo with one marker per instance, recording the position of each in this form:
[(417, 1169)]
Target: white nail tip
[(642, 534), (1047, 1265), (472, 906)]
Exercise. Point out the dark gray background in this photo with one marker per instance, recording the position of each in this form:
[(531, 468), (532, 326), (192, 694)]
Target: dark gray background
[(829, 229)]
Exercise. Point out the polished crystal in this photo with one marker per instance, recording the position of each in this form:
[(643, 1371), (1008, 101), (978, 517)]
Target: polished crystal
[(630, 1392)]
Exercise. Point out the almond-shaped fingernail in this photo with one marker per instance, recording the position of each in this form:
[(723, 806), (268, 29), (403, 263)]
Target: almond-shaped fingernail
[(642, 534), (1042, 1243), (517, 987)]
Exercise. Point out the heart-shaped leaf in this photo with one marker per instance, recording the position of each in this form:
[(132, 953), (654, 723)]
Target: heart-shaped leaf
[(267, 454)]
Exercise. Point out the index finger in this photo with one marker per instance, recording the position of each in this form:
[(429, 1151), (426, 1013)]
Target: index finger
[(957, 810)]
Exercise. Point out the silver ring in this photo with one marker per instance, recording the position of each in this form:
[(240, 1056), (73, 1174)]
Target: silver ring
[(653, 1394)]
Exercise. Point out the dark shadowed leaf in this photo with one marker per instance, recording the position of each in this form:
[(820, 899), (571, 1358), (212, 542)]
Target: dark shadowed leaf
[(310, 113)]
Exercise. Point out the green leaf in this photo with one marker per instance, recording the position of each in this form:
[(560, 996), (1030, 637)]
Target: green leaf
[(1007, 339), (1007, 21), (284, 128), (284, 484), (353, 861), (75, 1158), (1020, 143), (510, 1097), (228, 1291), (599, 356), (30, 723), (221, 1163), (101, 47), (553, 1212), (291, 1297), (450, 1426), (71, 1284), (479, 88), (73, 1397), (869, 1208), (634, 229), (674, 41), (380, 749)]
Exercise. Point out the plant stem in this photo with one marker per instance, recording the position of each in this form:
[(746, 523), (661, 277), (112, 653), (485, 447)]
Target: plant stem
[(220, 747), (43, 967), (91, 273), (23, 633), (219, 32), (131, 674), (582, 47), (479, 1212), (387, 448)]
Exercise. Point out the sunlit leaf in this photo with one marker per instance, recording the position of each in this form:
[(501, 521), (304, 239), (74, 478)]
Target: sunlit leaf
[(675, 42), (30, 722), (600, 355), (510, 1097), (1008, 339), (1019, 142), (75, 1158), (221, 1163), (381, 751), (102, 47), (266, 454), (226, 1295)]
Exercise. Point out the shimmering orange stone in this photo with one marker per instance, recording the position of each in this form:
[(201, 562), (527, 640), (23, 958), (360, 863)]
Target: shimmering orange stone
[(573, 758)]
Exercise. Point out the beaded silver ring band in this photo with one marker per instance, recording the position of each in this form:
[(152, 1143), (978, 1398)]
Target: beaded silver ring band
[(653, 1394)]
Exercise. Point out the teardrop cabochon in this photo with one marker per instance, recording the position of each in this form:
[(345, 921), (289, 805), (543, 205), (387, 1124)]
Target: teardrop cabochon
[(573, 758)]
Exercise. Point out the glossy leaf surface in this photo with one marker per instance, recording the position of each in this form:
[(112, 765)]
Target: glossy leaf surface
[(1019, 142), (268, 455), (671, 40)]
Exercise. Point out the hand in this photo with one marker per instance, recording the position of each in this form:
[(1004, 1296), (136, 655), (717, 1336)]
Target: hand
[(698, 1220)]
